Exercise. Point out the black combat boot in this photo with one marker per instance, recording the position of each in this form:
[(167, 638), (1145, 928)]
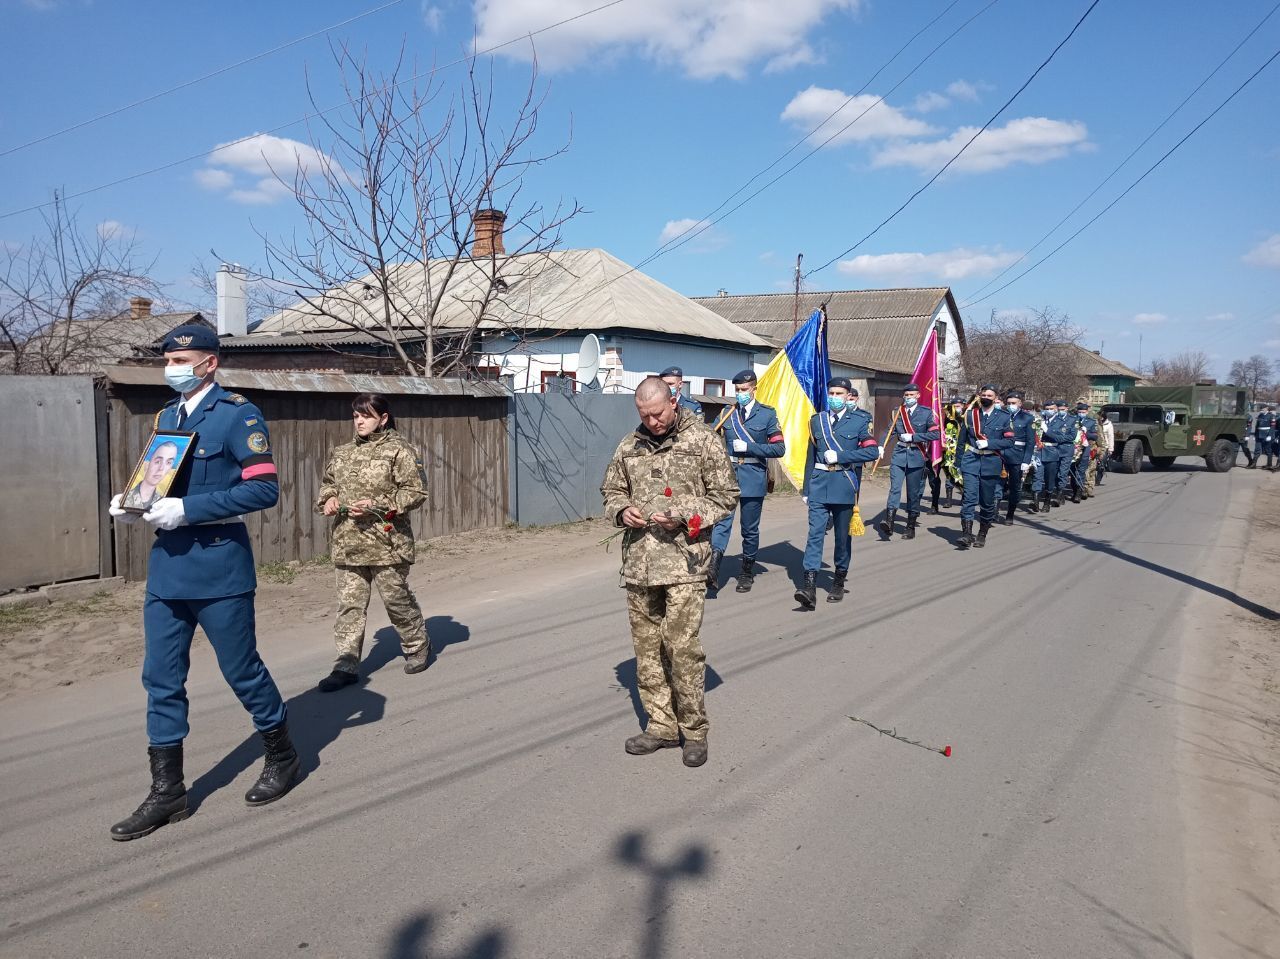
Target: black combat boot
[(886, 524), (1253, 461), (981, 541), (966, 534), (1044, 501), (950, 503), (747, 578), (713, 574), (1075, 494), (1057, 498), (910, 531), (807, 595), (167, 801), (934, 510), (837, 586), (279, 772), (1008, 516)]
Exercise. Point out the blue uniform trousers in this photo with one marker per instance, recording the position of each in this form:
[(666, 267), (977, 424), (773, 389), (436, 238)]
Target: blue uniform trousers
[(819, 513), (981, 484), (1079, 468), (751, 507), (1046, 480), (1013, 485), (1064, 468), (914, 478), (229, 623)]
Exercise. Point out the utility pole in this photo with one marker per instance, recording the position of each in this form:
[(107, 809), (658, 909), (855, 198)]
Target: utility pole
[(1139, 353), (795, 312)]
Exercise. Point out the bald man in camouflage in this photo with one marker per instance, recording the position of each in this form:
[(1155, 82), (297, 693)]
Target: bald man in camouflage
[(667, 485)]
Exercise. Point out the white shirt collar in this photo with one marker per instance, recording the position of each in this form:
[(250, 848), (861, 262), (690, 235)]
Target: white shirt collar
[(193, 404), (746, 410)]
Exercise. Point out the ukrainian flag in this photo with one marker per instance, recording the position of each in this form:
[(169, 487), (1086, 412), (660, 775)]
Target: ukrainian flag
[(795, 384)]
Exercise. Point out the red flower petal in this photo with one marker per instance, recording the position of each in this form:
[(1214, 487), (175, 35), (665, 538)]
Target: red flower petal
[(391, 514), (946, 751), (667, 491)]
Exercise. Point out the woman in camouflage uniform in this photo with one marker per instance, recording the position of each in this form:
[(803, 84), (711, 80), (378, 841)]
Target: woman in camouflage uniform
[(369, 487)]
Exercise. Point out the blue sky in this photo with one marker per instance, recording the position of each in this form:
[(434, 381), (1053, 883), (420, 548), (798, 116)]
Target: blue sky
[(673, 104)]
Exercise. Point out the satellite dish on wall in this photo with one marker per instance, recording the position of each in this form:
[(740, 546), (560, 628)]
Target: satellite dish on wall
[(588, 360)]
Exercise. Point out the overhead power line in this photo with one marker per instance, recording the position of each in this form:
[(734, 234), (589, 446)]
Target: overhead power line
[(928, 183), (1151, 169), (311, 116), (1123, 163)]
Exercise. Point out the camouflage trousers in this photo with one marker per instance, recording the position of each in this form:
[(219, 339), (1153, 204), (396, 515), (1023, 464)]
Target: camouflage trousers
[(354, 584), (670, 664), (1090, 474)]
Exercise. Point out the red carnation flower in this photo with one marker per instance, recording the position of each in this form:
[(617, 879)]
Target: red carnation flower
[(667, 491), (695, 526), (388, 527), (391, 514), (946, 751)]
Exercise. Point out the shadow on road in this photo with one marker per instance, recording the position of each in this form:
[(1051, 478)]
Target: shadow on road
[(626, 673), (785, 556), (1133, 937), (413, 941), (443, 631), (691, 863)]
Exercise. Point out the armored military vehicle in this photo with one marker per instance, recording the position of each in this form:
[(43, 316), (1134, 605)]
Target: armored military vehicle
[(1162, 423)]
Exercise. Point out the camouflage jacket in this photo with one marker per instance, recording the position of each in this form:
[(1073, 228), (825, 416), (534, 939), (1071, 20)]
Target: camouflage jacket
[(386, 470), (686, 473)]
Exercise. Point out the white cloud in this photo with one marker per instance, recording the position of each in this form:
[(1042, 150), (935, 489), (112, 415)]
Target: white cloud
[(432, 16), (802, 56), (963, 90), (113, 230), (685, 232), (931, 100), (951, 265), (702, 39), (1150, 319), (1026, 140), (1266, 254), (265, 159), (1220, 318), (810, 107), (1272, 344)]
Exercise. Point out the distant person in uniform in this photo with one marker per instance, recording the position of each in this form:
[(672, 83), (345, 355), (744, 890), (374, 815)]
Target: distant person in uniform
[(146, 491), (985, 432), (917, 428), (840, 442), (369, 487), (201, 573), (752, 437), (1080, 468), (673, 376), (1106, 445), (1265, 430), (667, 484), (1017, 458)]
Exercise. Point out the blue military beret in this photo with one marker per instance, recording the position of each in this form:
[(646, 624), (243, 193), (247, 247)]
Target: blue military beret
[(1059, 402), (191, 336), (840, 381), (990, 386), (1082, 405), (672, 371), (911, 388), (746, 376), (1015, 395)]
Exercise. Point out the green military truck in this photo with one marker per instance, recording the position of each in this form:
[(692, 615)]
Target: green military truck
[(1165, 422)]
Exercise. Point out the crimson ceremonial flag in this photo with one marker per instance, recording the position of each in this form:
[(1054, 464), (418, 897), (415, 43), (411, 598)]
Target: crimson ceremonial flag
[(926, 377)]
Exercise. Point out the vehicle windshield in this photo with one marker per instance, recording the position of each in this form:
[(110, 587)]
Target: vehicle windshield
[(1133, 414)]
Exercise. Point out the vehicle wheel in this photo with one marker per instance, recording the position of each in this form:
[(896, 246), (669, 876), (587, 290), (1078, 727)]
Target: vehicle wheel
[(1131, 458), (1222, 456), (1162, 462)]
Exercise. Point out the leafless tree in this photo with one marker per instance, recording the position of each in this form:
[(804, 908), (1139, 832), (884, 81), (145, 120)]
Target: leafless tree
[(1186, 367), (388, 203), (1254, 374), (1036, 351), (57, 290)]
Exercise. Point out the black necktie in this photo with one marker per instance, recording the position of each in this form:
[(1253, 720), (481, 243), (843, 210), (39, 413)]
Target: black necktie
[(182, 415)]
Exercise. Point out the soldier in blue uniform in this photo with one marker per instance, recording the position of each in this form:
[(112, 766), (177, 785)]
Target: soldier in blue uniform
[(985, 433), (1265, 429), (1044, 486), (1066, 427), (917, 428), (201, 572), (1081, 466), (752, 437), (840, 441), (673, 376), (1017, 458)]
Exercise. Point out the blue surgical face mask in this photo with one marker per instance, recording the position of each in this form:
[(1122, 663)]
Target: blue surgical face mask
[(910, 401), (744, 399), (835, 403), (1013, 407), (183, 378), (674, 391)]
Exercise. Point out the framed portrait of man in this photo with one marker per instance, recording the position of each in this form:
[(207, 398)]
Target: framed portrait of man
[(161, 459)]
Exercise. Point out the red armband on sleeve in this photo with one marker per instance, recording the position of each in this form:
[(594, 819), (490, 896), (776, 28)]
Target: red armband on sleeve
[(775, 438), (1008, 436), (869, 441)]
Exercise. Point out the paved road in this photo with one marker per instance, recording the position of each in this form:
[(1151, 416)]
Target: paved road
[(487, 809)]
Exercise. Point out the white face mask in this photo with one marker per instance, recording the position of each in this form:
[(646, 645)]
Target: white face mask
[(910, 401), (183, 379), (1013, 407)]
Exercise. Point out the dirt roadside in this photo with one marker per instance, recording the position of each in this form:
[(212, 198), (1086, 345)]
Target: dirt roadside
[(1229, 749)]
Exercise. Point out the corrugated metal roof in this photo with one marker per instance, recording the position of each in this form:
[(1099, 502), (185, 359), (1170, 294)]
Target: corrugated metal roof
[(258, 339), (569, 290), (292, 381), (1089, 363), (879, 330)]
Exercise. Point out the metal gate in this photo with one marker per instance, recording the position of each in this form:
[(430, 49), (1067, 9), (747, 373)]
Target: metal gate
[(53, 463), (560, 446)]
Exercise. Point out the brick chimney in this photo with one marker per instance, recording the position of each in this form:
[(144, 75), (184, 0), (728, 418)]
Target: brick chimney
[(488, 228), (139, 308)]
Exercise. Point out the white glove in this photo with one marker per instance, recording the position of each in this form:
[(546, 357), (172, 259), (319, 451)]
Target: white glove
[(739, 446), (1026, 468), (118, 512), (166, 513), (805, 500), (981, 444), (879, 452), (906, 437), (830, 456)]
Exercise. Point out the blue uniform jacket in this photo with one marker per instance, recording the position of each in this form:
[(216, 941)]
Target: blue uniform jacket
[(229, 471), (764, 441), (1023, 425), (924, 429), (995, 425), (692, 405), (838, 485), (1059, 431), (1090, 427), (1264, 427)]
